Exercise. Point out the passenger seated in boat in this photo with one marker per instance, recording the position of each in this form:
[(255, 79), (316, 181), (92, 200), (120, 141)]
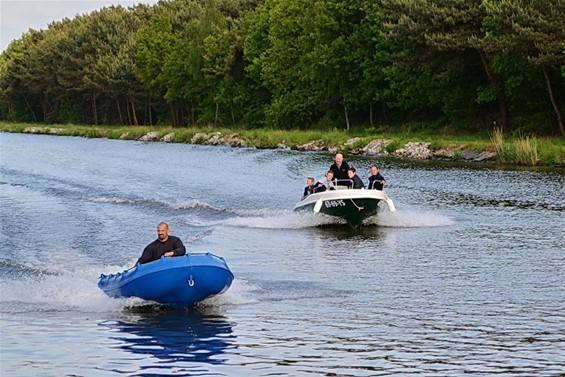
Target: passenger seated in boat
[(169, 246), (309, 189), (326, 183), (356, 182), (376, 180)]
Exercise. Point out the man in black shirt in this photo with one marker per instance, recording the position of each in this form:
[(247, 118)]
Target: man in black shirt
[(340, 167), (169, 246)]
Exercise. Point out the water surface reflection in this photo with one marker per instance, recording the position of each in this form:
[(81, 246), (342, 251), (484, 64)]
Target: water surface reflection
[(177, 336)]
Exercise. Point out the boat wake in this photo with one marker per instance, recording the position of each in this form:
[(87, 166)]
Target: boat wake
[(180, 205), (71, 291), (203, 214), (286, 219), (410, 219), (280, 220), (54, 293)]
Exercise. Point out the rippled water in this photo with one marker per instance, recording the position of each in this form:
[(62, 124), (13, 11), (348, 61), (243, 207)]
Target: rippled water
[(467, 278)]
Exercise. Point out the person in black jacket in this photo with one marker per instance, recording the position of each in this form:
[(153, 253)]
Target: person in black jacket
[(340, 167), (309, 189), (356, 182), (376, 180), (169, 246)]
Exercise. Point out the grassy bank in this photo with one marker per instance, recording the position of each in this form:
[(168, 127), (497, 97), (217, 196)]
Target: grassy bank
[(525, 151)]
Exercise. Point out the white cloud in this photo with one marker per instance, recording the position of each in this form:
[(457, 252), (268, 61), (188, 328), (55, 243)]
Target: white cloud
[(18, 16)]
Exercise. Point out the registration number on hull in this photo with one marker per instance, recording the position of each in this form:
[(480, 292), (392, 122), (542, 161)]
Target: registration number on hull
[(334, 203)]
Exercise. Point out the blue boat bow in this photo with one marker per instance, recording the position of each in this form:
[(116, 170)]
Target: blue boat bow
[(178, 281)]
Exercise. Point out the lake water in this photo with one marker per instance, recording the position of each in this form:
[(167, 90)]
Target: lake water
[(466, 278)]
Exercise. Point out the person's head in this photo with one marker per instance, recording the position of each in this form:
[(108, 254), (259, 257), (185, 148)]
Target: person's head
[(351, 172), (338, 159), (374, 170), (310, 181), (162, 231), (330, 175)]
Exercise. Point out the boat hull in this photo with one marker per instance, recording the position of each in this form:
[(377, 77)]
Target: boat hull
[(352, 205), (177, 282)]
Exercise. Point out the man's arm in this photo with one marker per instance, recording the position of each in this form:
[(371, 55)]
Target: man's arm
[(383, 181), (178, 247)]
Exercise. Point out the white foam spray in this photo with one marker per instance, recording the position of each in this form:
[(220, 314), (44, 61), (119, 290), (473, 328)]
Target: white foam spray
[(410, 219)]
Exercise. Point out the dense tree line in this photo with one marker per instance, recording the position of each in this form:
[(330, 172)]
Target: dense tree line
[(296, 64)]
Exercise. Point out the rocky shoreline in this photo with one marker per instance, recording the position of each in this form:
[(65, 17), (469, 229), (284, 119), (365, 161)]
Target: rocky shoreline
[(411, 150), (354, 146), (377, 147)]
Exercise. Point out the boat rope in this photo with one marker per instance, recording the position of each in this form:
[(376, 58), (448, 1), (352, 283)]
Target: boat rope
[(359, 208)]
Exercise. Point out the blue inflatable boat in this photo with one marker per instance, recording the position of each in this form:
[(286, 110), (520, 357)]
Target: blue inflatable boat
[(178, 281)]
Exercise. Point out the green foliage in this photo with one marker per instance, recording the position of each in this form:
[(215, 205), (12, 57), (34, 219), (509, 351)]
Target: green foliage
[(532, 32), (78, 65), (310, 56), (393, 145), (296, 64), (550, 152), (68, 116), (153, 46), (485, 94)]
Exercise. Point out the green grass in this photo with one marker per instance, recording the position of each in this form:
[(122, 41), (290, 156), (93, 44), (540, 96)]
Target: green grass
[(528, 150), (523, 150)]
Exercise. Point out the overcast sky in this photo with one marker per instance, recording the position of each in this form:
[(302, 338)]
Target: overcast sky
[(18, 16)]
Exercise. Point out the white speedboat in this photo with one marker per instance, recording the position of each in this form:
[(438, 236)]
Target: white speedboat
[(353, 205)]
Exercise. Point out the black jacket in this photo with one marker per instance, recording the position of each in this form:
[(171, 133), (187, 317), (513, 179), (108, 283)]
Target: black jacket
[(155, 249), (340, 173), (308, 190), (375, 182), (357, 182), (319, 187)]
